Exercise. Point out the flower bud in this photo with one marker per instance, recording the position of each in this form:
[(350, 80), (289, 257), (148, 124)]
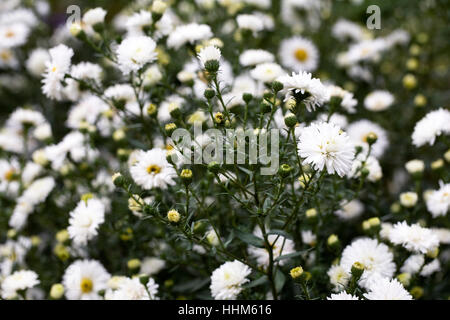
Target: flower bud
[(209, 93), (357, 270), (420, 100), (447, 155), (311, 213), (285, 170), (214, 167), (219, 118), (133, 264), (62, 236), (296, 272), (371, 138), (404, 279), (408, 199), (433, 253), (409, 81), (186, 176), (118, 135), (416, 292), (57, 291), (265, 107), (277, 86), (415, 167), (438, 164), (170, 128), (290, 120), (173, 216), (159, 7), (118, 179), (151, 109), (247, 97)]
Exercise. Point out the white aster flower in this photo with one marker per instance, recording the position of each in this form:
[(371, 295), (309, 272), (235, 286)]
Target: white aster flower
[(94, 16), (415, 166), (434, 124), (350, 209), (19, 280), (35, 63), (374, 256), (378, 100), (311, 90), (133, 289), (339, 277), (282, 246), (85, 220), (13, 35), (135, 52), (385, 289), (56, 68), (371, 164), (359, 131), (299, 54), (189, 33), (348, 101), (152, 170), (430, 268), (438, 201), (209, 53), (254, 57), (413, 264), (413, 237), (152, 265), (250, 22), (342, 296), (408, 199), (325, 145), (267, 72), (136, 24), (227, 280), (83, 279)]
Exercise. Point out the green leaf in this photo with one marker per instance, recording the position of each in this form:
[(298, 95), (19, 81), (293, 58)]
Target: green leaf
[(281, 233), (257, 282), (249, 238), (291, 255), (280, 280)]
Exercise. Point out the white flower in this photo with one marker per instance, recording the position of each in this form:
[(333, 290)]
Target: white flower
[(431, 126), (378, 100), (326, 145), (189, 33), (253, 57), (83, 279), (152, 75), (152, 170), (438, 201), (266, 72), (209, 53), (385, 289), (299, 54), (348, 101), (313, 92), (85, 220), (8, 59), (415, 166), (25, 117), (36, 61), (374, 256), (135, 52), (408, 199), (414, 237), (350, 209), (342, 296), (343, 29), (133, 289), (430, 268), (89, 72), (358, 132), (250, 22), (13, 35), (413, 264), (137, 22), (339, 277), (19, 280), (371, 164), (56, 68), (227, 280), (152, 265), (282, 246), (94, 16), (308, 237)]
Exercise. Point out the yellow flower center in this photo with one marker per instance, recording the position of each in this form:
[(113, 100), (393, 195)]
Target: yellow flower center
[(367, 136), (301, 55), (86, 285), (9, 175), (9, 34), (5, 55), (153, 169)]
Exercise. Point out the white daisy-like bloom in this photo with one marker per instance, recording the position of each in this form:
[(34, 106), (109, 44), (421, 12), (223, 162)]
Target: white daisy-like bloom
[(254, 57), (413, 264), (17, 15), (227, 280), (376, 258), (152, 170), (8, 59), (413, 237), (152, 265), (22, 117), (430, 268), (209, 53), (308, 237), (378, 100), (13, 35), (443, 234), (121, 92), (366, 50), (83, 280), (172, 102), (350, 209), (342, 296), (56, 68), (267, 72), (19, 280), (348, 102), (94, 16), (250, 22), (325, 145), (385, 289), (438, 201), (282, 246), (137, 22), (358, 132), (30, 172), (299, 54), (371, 164), (135, 52), (85, 220), (86, 71), (336, 118), (344, 29), (434, 124), (189, 33), (339, 277), (35, 63), (415, 166), (9, 171), (313, 92), (133, 289)]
